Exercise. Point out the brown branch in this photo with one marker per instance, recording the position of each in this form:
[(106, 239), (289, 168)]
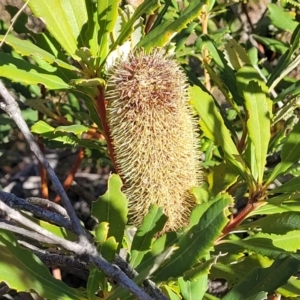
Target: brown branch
[(101, 106)]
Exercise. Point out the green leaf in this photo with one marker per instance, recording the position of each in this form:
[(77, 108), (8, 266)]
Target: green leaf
[(291, 289), (220, 178), (260, 245), (193, 290), (76, 129), (272, 44), (152, 224), (63, 19), (107, 17), (283, 205), (163, 33), (171, 293), (289, 242), (287, 61), (93, 283), (258, 124), (112, 208), (279, 223), (289, 187), (109, 248), (27, 48), (23, 271), (196, 242), (235, 271), (20, 71), (290, 153), (281, 19), (264, 279), (200, 270), (147, 7), (214, 128), (236, 55), (88, 82)]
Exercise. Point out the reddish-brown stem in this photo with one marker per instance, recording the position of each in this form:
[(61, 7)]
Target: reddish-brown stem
[(43, 172), (101, 106), (70, 177), (240, 218)]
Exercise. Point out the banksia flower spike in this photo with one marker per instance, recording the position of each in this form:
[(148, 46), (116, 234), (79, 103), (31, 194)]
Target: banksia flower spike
[(154, 136)]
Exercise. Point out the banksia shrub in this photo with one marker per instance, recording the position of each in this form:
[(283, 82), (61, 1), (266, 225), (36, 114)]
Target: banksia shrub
[(153, 133)]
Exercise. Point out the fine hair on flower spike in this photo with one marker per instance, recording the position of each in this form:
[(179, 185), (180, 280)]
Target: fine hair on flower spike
[(154, 135)]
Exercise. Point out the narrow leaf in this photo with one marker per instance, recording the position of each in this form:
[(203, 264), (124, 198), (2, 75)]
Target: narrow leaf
[(76, 129), (147, 7), (112, 208), (196, 242), (214, 128), (258, 124), (164, 32), (236, 55), (107, 17), (276, 223), (17, 263), (280, 18), (264, 279), (20, 71), (62, 20), (141, 244), (27, 48), (290, 153), (195, 289)]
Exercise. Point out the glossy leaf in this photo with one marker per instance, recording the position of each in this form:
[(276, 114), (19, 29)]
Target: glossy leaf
[(280, 18), (21, 71), (107, 17), (290, 153), (279, 223), (64, 20), (163, 33), (18, 264), (195, 289), (273, 207), (93, 283), (27, 48), (235, 272), (141, 244), (112, 208), (258, 123), (291, 288), (289, 242), (236, 55), (196, 242), (260, 245), (220, 178), (76, 129), (289, 187), (264, 279), (213, 126), (201, 270), (147, 7)]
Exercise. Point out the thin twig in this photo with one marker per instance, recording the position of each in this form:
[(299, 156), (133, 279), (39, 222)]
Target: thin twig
[(24, 232), (95, 258), (12, 109), (53, 239), (20, 204), (48, 204)]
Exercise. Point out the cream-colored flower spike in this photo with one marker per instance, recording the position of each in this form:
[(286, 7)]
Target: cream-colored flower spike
[(154, 136)]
